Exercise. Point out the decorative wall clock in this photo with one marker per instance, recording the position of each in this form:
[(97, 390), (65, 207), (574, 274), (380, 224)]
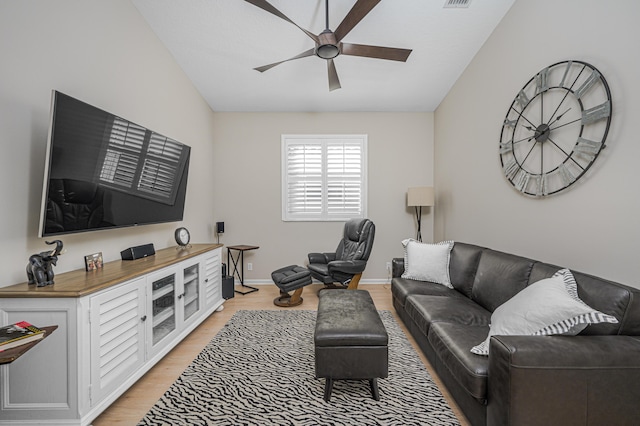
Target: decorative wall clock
[(555, 128)]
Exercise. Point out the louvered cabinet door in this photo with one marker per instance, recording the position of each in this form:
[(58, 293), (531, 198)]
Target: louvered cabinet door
[(117, 337), (212, 279)]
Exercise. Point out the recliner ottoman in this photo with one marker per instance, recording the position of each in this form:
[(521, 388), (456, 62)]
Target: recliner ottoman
[(289, 278), (350, 339)]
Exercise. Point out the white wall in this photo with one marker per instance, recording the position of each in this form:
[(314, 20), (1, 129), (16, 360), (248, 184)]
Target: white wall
[(103, 53), (247, 184), (594, 226)]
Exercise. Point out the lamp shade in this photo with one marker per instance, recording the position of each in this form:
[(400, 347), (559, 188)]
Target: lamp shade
[(420, 196)]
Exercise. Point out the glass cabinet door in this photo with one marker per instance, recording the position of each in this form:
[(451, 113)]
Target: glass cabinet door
[(163, 307), (191, 294)]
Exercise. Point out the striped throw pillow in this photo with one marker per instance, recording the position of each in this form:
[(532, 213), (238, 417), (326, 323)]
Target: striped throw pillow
[(549, 306)]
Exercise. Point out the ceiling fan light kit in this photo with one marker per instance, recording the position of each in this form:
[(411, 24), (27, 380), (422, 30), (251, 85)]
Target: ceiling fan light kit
[(328, 44)]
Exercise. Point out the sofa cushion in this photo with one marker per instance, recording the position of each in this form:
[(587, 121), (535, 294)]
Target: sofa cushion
[(401, 288), (499, 277), (452, 343), (427, 262), (463, 265), (550, 306), (425, 310)]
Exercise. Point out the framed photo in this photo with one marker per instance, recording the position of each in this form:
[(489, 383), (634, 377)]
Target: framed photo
[(93, 261)]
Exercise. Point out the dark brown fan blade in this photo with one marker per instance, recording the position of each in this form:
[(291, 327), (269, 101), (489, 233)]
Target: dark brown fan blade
[(304, 54), (265, 5), (378, 52), (334, 81), (355, 15)]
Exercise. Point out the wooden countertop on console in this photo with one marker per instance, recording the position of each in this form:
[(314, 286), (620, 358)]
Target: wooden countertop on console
[(80, 283)]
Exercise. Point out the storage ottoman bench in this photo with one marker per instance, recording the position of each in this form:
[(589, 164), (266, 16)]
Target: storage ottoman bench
[(350, 340), (289, 278)]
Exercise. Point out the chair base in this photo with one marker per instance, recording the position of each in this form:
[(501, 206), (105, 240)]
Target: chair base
[(286, 300), (352, 285)]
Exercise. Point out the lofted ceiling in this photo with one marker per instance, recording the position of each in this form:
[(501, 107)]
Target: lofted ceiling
[(219, 42)]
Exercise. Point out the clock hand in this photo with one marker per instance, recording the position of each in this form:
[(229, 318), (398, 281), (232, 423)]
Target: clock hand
[(520, 114), (570, 89), (524, 139), (542, 106), (560, 116), (566, 124)]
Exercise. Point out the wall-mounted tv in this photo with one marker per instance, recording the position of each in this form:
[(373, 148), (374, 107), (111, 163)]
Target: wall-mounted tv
[(103, 171)]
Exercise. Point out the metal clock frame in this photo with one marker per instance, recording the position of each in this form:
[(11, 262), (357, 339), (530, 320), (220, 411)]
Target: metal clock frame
[(575, 93)]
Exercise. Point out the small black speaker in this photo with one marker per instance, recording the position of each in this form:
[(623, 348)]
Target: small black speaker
[(138, 252), (220, 227), (227, 287)]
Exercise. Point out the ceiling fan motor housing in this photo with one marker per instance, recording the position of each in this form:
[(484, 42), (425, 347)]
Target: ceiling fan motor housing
[(327, 47)]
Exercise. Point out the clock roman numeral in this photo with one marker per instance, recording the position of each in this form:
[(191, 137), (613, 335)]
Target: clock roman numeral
[(522, 180), (541, 187), (566, 72), (511, 168), (596, 113), (506, 148), (522, 100), (542, 84), (510, 123), (565, 175), (589, 82), (587, 149)]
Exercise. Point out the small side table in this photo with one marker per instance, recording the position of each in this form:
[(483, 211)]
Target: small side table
[(239, 259)]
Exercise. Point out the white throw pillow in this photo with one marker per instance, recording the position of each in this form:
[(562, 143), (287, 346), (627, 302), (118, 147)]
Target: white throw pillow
[(549, 306), (427, 262)]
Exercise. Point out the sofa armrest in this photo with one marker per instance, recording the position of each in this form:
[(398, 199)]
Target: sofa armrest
[(563, 380), (321, 257), (397, 267)]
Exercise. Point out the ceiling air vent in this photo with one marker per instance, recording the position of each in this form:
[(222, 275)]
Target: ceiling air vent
[(456, 3)]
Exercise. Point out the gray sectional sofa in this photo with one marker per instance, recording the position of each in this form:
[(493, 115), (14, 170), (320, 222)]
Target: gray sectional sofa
[(589, 379)]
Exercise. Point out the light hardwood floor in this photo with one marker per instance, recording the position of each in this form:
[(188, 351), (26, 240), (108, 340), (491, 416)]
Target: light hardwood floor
[(135, 403)]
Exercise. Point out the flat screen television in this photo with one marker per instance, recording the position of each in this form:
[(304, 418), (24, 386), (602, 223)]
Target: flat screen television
[(103, 171)]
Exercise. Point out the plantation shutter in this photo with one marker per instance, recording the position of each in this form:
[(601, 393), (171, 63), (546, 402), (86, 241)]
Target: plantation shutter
[(324, 177), (344, 179)]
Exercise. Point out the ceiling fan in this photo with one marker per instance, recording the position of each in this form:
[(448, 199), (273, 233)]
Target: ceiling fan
[(328, 44)]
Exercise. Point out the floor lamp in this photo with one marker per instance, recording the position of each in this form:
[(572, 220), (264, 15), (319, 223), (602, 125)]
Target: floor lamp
[(418, 197)]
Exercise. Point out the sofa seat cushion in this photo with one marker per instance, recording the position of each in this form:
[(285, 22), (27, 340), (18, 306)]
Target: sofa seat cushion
[(452, 344), (403, 287), (426, 309)]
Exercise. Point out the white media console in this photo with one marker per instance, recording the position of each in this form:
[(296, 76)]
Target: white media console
[(114, 324)]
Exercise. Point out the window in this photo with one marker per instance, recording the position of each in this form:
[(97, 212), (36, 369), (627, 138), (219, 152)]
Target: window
[(324, 177), (141, 162)]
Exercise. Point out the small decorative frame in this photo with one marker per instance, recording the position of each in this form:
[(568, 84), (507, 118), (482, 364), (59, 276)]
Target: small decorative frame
[(93, 261)]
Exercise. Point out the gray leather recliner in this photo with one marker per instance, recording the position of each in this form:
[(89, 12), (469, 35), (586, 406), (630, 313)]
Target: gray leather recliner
[(346, 264)]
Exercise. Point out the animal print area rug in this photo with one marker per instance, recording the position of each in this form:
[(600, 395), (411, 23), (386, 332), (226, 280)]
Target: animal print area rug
[(259, 370)]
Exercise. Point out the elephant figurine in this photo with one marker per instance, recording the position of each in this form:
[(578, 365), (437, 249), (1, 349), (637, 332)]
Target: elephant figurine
[(40, 266)]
